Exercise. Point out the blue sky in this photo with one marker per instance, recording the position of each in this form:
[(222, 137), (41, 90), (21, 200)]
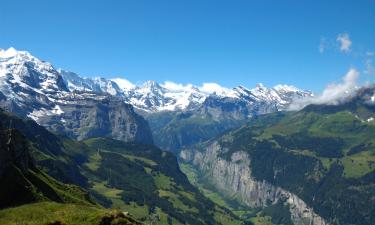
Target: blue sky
[(194, 41)]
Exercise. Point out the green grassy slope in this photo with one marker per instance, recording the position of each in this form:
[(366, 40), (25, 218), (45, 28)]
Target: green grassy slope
[(29, 196), (48, 213), (324, 154), (148, 183), (139, 179)]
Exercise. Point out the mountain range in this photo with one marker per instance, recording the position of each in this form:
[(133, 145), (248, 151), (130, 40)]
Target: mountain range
[(313, 166), (67, 103), (19, 69), (105, 151)]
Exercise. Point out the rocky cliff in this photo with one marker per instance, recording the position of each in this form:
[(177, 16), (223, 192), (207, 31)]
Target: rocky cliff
[(93, 115), (234, 177)]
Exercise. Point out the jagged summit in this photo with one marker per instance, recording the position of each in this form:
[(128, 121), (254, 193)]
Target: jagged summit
[(78, 107), (20, 69)]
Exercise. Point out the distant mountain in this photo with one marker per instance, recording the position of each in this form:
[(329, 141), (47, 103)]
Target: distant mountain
[(179, 115), (32, 88), (154, 97), (318, 163)]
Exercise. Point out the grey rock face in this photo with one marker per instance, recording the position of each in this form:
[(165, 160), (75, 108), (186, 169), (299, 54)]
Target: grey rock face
[(94, 116), (234, 177)]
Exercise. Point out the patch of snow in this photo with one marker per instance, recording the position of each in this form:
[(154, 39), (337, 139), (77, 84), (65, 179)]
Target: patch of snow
[(57, 110), (286, 88)]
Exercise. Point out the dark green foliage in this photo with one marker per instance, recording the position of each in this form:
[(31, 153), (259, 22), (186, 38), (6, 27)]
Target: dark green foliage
[(15, 189), (279, 213), (142, 173), (358, 148), (322, 146), (310, 154), (139, 186), (48, 150)]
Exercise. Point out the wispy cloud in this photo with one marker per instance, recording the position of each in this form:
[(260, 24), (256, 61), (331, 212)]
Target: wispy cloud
[(322, 45), (177, 87), (210, 88), (334, 93), (345, 42)]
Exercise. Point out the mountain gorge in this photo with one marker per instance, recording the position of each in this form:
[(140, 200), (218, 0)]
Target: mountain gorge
[(319, 162), (38, 167)]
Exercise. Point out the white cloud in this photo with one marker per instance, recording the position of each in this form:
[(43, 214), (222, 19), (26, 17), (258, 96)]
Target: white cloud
[(333, 94), (123, 83), (345, 42), (176, 87), (210, 88)]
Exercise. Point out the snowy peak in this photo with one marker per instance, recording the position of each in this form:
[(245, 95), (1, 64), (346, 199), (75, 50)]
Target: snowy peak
[(97, 85), (286, 88), (10, 52), (20, 68), (153, 97)]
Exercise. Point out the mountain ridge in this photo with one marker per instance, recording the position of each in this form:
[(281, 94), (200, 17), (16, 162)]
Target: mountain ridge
[(150, 96), (32, 88)]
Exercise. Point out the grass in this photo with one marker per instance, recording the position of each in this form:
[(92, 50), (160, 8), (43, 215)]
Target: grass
[(136, 210), (44, 213), (163, 182), (106, 191), (94, 162), (357, 165)]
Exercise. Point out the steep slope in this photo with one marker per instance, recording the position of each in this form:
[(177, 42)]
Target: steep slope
[(32, 88), (49, 151), (23, 183), (148, 183), (139, 179), (67, 214), (319, 161)]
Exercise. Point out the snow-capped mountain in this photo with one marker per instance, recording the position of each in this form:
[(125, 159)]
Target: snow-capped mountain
[(40, 90), (32, 88), (155, 97)]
